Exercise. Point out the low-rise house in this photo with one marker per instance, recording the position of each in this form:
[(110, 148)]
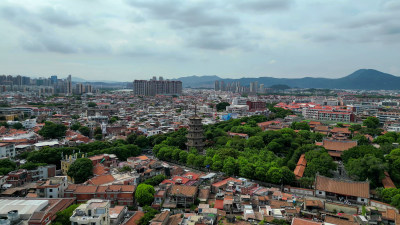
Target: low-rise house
[(182, 195), (52, 188), (117, 214), (351, 191), (94, 212)]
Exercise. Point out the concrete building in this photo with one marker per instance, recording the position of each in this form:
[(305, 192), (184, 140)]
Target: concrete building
[(52, 188), (94, 212), (157, 87), (7, 150)]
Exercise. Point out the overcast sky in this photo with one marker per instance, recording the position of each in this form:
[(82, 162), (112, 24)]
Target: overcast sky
[(136, 39)]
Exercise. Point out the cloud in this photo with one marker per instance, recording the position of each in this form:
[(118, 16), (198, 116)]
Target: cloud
[(181, 14), (61, 17), (264, 5)]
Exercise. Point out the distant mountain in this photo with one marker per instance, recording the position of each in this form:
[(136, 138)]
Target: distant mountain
[(199, 81), (363, 79)]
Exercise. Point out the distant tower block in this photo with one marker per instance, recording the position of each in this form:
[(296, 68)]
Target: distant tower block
[(195, 133)]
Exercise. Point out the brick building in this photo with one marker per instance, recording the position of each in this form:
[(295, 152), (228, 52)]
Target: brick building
[(117, 194)]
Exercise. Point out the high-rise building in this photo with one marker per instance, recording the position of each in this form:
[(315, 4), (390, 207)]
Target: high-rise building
[(195, 133), (69, 85), (157, 87), (53, 79), (222, 85), (216, 86), (79, 88)]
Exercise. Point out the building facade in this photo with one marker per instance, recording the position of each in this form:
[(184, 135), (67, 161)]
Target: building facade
[(157, 87)]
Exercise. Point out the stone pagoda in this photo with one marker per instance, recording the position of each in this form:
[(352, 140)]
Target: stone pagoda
[(195, 133)]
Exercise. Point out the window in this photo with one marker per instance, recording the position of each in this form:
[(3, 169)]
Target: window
[(50, 190)]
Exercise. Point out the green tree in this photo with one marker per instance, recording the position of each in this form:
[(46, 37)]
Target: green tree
[(230, 166), (6, 166), (98, 137), (367, 167), (300, 126), (142, 141), (75, 126), (92, 104), (222, 106), (371, 122), (81, 170), (98, 130), (149, 215), (52, 130), (64, 215), (319, 161), (84, 131), (17, 126), (31, 165), (144, 194), (274, 175)]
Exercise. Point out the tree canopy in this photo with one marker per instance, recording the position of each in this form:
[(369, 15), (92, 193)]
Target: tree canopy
[(81, 170), (144, 194), (52, 130)]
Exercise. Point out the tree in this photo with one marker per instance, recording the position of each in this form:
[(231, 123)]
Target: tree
[(360, 151), (92, 104), (17, 126), (367, 167), (229, 166), (64, 215), (141, 141), (7, 166), (144, 194), (81, 170), (319, 161), (156, 180), (255, 142), (300, 126), (274, 175), (31, 165), (75, 126), (222, 106), (149, 215), (98, 130), (84, 131), (52, 130), (98, 137), (371, 122)]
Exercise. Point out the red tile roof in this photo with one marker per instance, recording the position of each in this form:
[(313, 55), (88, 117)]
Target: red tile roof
[(349, 188), (387, 181), (102, 179), (134, 220), (301, 167), (299, 221), (219, 204), (341, 146)]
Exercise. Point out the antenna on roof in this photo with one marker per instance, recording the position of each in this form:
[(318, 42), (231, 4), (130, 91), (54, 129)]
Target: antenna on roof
[(195, 109)]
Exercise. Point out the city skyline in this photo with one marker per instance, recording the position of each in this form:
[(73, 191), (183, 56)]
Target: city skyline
[(131, 39)]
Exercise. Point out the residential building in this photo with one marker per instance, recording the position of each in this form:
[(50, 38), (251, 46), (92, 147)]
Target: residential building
[(52, 188), (117, 194), (157, 87), (7, 150), (181, 195), (94, 212)]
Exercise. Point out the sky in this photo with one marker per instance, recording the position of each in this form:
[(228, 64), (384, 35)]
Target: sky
[(123, 40)]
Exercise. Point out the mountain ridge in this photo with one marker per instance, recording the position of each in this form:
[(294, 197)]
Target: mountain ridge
[(362, 79)]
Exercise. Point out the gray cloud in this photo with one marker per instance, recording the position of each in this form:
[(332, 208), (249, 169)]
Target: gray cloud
[(182, 15), (60, 17), (264, 5)]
